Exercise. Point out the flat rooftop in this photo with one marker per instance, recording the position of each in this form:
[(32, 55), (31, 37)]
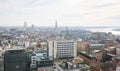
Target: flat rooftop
[(75, 61), (16, 48)]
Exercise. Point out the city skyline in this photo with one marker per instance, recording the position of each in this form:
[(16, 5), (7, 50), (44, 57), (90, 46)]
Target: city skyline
[(67, 12)]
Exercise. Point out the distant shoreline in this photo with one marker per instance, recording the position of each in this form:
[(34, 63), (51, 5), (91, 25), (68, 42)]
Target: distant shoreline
[(116, 29)]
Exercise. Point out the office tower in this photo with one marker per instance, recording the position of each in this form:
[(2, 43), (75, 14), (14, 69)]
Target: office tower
[(15, 60), (62, 48)]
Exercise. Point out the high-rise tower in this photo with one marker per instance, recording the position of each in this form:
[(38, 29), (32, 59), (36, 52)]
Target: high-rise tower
[(25, 26), (32, 27), (56, 26)]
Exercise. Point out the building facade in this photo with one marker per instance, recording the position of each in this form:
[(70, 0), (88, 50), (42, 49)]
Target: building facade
[(41, 61), (15, 60), (62, 48)]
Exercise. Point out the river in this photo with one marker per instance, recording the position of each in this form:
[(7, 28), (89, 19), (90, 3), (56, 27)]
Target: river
[(105, 30)]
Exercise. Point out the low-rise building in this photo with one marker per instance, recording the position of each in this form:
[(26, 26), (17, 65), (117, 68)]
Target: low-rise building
[(77, 64), (88, 58), (41, 61)]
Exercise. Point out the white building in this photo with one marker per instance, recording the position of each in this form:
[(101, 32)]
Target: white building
[(0, 51), (118, 51), (62, 48), (27, 44)]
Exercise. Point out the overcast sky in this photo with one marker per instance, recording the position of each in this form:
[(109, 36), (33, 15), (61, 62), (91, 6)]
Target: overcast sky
[(67, 12)]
